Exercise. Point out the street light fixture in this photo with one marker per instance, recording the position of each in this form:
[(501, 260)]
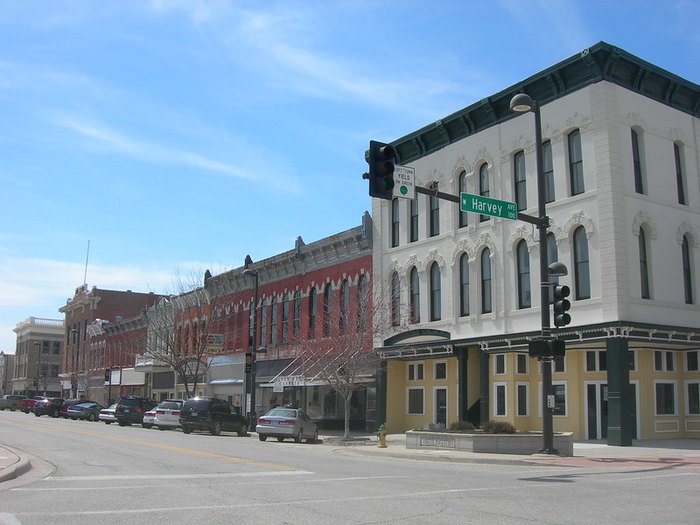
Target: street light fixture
[(251, 353), (523, 103)]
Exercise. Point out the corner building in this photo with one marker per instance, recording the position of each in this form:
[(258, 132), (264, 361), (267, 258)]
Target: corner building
[(620, 154)]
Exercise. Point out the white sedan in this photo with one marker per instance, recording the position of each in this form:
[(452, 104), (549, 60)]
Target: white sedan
[(168, 414), (284, 423), (107, 414)]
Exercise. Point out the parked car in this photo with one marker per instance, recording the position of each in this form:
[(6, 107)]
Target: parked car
[(130, 410), (287, 423), (212, 414), (168, 414), (67, 403), (89, 411), (10, 401), (26, 405), (50, 406), (149, 418), (107, 414)]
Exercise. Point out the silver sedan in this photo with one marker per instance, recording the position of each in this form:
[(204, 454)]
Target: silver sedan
[(287, 423)]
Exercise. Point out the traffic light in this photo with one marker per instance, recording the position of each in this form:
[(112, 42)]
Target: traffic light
[(381, 170), (561, 305)]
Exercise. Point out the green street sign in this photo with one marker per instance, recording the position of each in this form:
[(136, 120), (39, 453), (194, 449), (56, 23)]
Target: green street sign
[(486, 206)]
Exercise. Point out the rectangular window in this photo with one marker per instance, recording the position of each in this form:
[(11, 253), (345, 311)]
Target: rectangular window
[(440, 371), (415, 401), (415, 372), (693, 400), (394, 223), (434, 212), (663, 361), (596, 361), (559, 392), (680, 183), (499, 365), (500, 398), (519, 180), (548, 168), (413, 236), (522, 363), (522, 401), (691, 360), (665, 399), (575, 163)]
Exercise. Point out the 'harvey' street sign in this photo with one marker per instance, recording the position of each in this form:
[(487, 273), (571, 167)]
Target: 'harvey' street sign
[(486, 206)]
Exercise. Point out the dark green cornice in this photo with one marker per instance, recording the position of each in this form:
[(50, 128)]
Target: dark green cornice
[(594, 64)]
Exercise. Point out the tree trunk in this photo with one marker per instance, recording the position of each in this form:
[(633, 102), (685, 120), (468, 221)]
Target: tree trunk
[(347, 399)]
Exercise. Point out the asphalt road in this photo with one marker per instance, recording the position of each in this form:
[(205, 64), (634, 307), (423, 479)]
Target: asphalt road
[(93, 473)]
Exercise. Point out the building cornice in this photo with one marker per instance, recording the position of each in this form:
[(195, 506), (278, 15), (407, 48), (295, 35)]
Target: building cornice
[(601, 62)]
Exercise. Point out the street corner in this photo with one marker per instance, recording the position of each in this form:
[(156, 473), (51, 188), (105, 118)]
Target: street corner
[(12, 464)]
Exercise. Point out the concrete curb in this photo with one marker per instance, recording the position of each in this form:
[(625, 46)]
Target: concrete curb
[(20, 466)]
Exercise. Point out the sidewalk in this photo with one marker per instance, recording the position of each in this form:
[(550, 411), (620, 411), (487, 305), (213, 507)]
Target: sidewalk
[(662, 454)]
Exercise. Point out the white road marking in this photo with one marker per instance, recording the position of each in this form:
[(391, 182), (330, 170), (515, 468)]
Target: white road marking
[(178, 476)]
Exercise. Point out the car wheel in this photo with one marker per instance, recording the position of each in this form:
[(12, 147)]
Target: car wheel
[(186, 430), (216, 428), (262, 437), (313, 439), (122, 423), (74, 418), (12, 408), (300, 436), (37, 415), (146, 425), (161, 428), (242, 431), (108, 422), (91, 417), (280, 439)]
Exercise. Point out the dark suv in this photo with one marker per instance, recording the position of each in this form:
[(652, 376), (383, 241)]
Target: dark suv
[(50, 406), (130, 410), (214, 415)]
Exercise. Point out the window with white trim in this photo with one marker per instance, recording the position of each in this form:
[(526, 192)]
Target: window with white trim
[(665, 398), (596, 361), (414, 401), (440, 370), (521, 363), (692, 398), (500, 391), (522, 399), (415, 372), (499, 364), (691, 360), (664, 361)]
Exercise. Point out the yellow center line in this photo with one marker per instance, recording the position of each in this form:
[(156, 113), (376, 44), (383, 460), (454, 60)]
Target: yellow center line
[(171, 448)]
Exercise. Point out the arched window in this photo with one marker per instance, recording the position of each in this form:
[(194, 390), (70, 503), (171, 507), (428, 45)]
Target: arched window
[(519, 180), (687, 271), (414, 293), (484, 186), (435, 293), (285, 319), (296, 315), (486, 302), (327, 305), (344, 305), (363, 299), (464, 285), (575, 163), (312, 312), (643, 264), (581, 264), (273, 321), (263, 323), (251, 325), (463, 215), (524, 292), (395, 300)]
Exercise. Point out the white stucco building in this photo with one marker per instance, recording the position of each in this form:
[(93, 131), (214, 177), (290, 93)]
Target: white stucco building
[(620, 147)]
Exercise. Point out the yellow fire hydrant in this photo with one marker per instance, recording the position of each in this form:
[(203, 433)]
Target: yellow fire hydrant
[(381, 434)]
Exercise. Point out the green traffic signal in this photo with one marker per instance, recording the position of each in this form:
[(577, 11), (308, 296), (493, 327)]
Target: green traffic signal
[(381, 158), (561, 305)]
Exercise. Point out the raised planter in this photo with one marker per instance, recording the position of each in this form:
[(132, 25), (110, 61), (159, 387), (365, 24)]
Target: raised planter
[(526, 443)]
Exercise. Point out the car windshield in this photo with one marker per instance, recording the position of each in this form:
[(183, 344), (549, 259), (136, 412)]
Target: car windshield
[(84, 405), (130, 402), (170, 405), (111, 407), (282, 412), (198, 404)]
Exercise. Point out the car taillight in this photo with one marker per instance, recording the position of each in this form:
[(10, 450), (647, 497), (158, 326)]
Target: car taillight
[(286, 422), (175, 412), (160, 412), (138, 410), (263, 420)]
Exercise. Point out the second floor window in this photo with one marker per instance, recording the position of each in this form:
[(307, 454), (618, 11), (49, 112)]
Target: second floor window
[(687, 272), (643, 266), (519, 180), (484, 186), (344, 305), (464, 285), (394, 223), (581, 264), (415, 296), (680, 179), (435, 293), (312, 313), (463, 218), (548, 168), (327, 297), (486, 306), (413, 219), (637, 164), (523, 258), (575, 163), (434, 212), (395, 300)]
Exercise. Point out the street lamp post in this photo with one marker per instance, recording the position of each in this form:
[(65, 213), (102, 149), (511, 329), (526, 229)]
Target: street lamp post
[(250, 385), (523, 103)]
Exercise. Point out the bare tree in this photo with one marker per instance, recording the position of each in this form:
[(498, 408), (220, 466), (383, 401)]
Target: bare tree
[(178, 334), (346, 360)]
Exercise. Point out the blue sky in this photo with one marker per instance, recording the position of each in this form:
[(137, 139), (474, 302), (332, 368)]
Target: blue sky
[(180, 135)]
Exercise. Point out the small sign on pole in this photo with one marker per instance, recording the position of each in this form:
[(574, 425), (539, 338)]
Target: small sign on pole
[(404, 182)]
